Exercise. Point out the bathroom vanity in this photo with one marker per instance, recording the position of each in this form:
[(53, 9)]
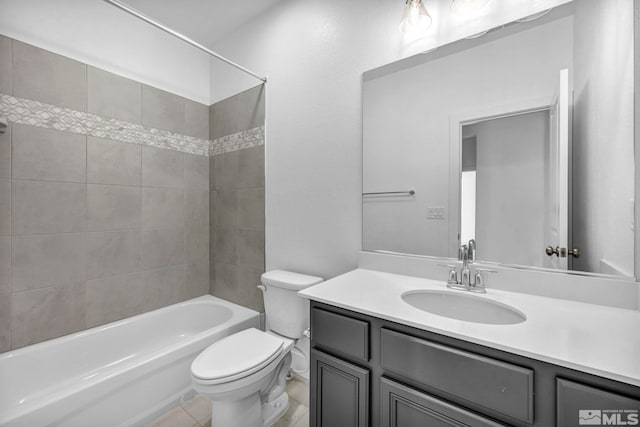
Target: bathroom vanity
[(378, 361)]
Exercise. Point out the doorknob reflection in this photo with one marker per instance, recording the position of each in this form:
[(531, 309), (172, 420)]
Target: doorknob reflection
[(562, 252)]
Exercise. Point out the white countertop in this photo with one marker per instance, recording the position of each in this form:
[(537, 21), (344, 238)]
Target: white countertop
[(600, 340)]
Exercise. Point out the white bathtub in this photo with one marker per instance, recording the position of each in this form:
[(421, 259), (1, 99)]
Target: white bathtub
[(123, 373)]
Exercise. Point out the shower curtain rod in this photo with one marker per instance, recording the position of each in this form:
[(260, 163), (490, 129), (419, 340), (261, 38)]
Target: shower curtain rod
[(182, 37)]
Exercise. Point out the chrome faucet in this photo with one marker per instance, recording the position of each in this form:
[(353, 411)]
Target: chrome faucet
[(467, 281), (472, 250)]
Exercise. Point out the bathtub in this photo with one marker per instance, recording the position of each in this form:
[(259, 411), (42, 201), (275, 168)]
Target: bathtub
[(120, 374)]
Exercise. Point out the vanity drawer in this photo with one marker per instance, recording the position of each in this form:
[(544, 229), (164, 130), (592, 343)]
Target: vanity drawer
[(498, 386), (405, 407), (342, 334), (582, 404)]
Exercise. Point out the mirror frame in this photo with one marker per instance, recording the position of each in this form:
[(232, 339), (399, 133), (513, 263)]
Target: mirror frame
[(462, 44)]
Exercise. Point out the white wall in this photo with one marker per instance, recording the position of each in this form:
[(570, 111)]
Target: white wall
[(314, 53), (603, 186), (98, 34), (407, 129)]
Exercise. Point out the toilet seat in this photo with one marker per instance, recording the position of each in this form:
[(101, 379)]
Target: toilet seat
[(236, 356)]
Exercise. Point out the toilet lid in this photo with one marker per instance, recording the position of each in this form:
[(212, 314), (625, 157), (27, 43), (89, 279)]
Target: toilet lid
[(237, 356)]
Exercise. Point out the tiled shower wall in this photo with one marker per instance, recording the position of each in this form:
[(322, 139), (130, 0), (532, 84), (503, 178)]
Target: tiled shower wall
[(91, 229), (237, 197)]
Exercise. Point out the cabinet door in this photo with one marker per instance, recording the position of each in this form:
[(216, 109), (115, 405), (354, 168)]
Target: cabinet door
[(340, 393), (405, 407), (579, 404)]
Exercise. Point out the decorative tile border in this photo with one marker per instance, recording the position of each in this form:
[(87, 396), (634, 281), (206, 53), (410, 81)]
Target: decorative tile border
[(28, 112), (237, 141)]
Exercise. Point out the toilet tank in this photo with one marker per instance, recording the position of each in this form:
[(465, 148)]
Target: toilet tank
[(287, 314)]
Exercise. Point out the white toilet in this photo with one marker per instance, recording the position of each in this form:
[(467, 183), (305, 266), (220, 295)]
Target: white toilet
[(244, 374)]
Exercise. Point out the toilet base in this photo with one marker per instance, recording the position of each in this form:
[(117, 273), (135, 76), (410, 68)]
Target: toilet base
[(271, 412), (249, 412), (245, 412)]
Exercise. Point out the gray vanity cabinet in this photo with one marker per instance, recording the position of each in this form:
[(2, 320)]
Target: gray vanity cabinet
[(594, 406), (341, 391), (368, 371), (405, 407)]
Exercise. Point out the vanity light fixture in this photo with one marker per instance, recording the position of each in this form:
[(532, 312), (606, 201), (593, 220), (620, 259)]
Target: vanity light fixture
[(534, 16), (467, 7), (415, 20)]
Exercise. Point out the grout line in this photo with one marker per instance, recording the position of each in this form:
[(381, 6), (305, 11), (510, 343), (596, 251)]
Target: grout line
[(109, 185)]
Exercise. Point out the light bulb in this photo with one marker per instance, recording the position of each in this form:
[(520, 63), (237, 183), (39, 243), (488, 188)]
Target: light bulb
[(467, 7), (416, 19)]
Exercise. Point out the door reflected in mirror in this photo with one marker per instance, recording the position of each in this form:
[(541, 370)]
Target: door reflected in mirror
[(521, 139)]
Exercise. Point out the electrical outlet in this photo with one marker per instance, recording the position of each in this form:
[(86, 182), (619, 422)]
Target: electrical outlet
[(435, 213)]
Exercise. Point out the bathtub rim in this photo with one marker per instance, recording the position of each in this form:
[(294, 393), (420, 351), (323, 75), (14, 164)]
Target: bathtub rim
[(115, 323)]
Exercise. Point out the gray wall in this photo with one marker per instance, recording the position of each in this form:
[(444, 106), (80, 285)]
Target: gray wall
[(94, 230), (237, 202)]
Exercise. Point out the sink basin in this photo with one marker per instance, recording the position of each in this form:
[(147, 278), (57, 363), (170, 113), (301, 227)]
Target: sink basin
[(465, 307)]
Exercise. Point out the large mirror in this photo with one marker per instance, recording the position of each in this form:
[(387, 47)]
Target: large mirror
[(521, 139)]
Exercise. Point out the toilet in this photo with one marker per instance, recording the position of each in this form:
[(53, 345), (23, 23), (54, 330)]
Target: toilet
[(245, 374)]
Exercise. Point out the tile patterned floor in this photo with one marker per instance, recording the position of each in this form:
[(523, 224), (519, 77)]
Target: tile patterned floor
[(197, 411)]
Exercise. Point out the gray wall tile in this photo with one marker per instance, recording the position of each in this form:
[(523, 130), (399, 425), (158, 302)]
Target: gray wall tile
[(197, 243), (164, 286), (226, 170), (162, 247), (162, 168), (163, 110), (5, 153), (113, 96), (250, 248), (251, 167), (196, 206), (47, 154), (46, 260), (226, 244), (251, 208), (5, 65), (112, 162), (5, 265), (196, 119), (225, 284), (226, 208), (5, 323), (196, 172), (162, 208), (236, 203), (5, 207), (39, 207), (239, 285), (113, 252), (111, 207), (197, 279), (212, 175), (115, 297), (212, 226), (47, 313), (240, 112), (44, 76), (249, 278)]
